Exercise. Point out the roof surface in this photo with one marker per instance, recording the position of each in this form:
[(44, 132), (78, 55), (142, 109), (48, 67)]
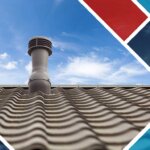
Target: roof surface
[(78, 118)]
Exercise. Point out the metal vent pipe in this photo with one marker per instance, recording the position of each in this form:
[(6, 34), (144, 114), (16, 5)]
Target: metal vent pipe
[(39, 50)]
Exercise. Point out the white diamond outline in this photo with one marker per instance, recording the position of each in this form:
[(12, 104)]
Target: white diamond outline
[(137, 137), (124, 43)]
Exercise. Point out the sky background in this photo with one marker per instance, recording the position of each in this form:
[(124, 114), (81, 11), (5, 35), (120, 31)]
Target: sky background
[(84, 52)]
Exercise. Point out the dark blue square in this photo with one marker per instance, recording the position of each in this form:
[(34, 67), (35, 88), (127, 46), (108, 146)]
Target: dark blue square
[(3, 147), (141, 43)]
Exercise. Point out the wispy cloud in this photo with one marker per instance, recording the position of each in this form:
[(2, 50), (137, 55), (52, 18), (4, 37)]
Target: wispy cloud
[(28, 67), (91, 69), (86, 67), (28, 71), (12, 77), (127, 73), (10, 65), (3, 55), (6, 62), (63, 45), (71, 35)]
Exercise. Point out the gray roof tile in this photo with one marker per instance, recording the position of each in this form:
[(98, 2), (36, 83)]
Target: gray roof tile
[(98, 118)]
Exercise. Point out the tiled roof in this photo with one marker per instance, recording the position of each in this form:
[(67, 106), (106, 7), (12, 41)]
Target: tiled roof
[(98, 118)]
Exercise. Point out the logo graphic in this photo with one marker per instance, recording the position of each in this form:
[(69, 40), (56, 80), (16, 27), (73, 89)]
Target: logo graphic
[(141, 141), (129, 23), (4, 145)]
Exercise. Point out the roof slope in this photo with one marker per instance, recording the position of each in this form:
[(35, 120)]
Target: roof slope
[(71, 119)]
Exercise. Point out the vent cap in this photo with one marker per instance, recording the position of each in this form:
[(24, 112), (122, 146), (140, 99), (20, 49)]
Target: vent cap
[(39, 42)]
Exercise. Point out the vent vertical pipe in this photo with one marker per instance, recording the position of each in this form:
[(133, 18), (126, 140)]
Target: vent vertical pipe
[(39, 50)]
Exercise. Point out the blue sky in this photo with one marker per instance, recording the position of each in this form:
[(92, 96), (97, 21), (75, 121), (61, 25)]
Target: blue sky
[(84, 52)]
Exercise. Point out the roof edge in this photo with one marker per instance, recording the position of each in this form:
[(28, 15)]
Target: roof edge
[(73, 85)]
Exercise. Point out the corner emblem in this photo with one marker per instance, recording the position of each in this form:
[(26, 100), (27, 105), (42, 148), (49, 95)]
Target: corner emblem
[(128, 21), (141, 141)]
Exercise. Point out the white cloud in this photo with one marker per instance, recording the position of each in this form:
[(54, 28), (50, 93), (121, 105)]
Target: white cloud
[(62, 45), (28, 67), (3, 56), (131, 69), (75, 80), (91, 69), (86, 67), (12, 77), (10, 65), (127, 73)]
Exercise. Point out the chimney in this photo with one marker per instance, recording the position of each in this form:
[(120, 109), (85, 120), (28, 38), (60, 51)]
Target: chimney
[(39, 49)]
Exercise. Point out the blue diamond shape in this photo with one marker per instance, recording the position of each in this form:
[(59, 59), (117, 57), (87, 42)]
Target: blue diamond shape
[(140, 43), (145, 4), (2, 146), (143, 143)]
